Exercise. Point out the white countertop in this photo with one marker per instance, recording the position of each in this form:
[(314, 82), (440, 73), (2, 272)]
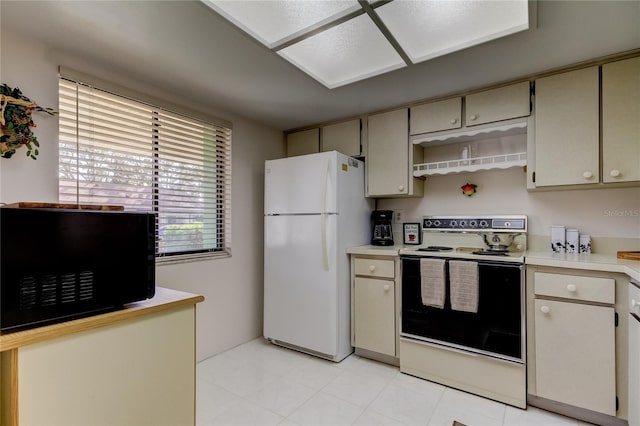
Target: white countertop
[(370, 250), (592, 262)]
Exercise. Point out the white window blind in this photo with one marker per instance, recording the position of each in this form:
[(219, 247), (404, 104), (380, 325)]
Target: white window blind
[(118, 151)]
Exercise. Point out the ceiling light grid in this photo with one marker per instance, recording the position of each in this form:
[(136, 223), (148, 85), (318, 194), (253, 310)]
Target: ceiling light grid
[(338, 42)]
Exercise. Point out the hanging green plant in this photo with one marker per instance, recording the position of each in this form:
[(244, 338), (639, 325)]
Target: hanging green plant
[(16, 122)]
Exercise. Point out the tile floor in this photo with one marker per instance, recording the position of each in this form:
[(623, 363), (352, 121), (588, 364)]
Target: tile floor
[(258, 383)]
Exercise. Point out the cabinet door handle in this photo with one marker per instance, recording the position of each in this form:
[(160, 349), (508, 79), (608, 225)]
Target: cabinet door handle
[(587, 175), (545, 309), (372, 268), (454, 120), (614, 173), (400, 187), (634, 303), (387, 287), (571, 288), (473, 117)]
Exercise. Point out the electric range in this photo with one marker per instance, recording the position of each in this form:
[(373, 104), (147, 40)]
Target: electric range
[(463, 305)]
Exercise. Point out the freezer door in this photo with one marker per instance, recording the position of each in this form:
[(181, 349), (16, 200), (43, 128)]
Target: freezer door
[(300, 295), (303, 184)]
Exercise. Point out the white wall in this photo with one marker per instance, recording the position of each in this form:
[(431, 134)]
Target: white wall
[(610, 212), (232, 287)]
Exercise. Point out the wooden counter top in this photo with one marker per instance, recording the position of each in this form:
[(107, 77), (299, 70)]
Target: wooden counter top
[(164, 299)]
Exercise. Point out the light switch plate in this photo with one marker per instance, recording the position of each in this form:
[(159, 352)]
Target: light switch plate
[(398, 216)]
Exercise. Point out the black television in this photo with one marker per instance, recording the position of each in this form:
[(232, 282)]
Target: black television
[(61, 264)]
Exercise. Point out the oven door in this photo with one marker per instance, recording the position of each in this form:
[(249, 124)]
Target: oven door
[(496, 329)]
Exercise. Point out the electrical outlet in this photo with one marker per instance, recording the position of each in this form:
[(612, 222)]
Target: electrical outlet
[(398, 216)]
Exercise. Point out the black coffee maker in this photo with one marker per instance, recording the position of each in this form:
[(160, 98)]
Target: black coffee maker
[(381, 232)]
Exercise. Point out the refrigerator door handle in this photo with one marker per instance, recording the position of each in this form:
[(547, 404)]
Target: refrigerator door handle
[(323, 216)]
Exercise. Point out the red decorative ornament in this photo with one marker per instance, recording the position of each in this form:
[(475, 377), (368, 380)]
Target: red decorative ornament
[(469, 189)]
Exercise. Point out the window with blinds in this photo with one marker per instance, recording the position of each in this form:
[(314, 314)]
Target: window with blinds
[(118, 151)]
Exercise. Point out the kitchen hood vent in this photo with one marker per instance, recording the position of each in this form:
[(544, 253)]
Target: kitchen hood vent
[(475, 133)]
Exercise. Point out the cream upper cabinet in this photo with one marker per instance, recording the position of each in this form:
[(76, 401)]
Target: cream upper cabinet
[(621, 121), (303, 142), (567, 128), (390, 156), (342, 137), (498, 104), (436, 116)]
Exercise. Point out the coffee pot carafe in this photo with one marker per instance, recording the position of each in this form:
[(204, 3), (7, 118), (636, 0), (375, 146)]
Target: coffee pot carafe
[(381, 232)]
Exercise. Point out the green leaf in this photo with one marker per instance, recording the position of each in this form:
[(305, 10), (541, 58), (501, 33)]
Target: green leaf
[(36, 152), (35, 142)]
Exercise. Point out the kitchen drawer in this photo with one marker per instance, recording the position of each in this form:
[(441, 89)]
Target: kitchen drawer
[(575, 287), (374, 267)]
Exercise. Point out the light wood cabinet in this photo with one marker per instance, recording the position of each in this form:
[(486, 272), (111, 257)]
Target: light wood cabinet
[(502, 103), (342, 137), (375, 288), (575, 341), (135, 366), (567, 128), (390, 156), (621, 121), (436, 116), (303, 142)]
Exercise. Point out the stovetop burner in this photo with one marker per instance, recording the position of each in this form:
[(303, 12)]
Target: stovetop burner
[(435, 248)]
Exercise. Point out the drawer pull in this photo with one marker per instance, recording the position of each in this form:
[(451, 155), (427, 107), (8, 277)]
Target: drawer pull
[(454, 120), (386, 287), (545, 309), (571, 288), (372, 268), (634, 303)]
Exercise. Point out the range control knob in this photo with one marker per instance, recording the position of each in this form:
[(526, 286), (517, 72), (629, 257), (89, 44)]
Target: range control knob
[(428, 223), (463, 223), (453, 224), (436, 223), (473, 223), (484, 224)]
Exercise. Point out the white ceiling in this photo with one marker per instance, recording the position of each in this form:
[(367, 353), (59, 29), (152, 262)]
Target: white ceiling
[(186, 49)]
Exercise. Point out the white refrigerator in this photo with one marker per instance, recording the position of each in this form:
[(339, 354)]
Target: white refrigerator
[(314, 210)]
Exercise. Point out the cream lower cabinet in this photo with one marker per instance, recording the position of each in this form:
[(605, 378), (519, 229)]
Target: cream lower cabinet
[(374, 305), (575, 356)]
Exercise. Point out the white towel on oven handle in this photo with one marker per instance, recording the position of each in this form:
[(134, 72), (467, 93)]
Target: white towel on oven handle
[(432, 282), (463, 284)]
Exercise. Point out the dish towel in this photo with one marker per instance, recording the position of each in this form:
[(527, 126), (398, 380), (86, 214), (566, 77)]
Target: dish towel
[(432, 282), (463, 282)]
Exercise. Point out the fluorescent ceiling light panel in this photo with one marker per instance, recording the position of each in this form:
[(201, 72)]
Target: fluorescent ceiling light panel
[(270, 21), (351, 51), (427, 29), (338, 42)]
